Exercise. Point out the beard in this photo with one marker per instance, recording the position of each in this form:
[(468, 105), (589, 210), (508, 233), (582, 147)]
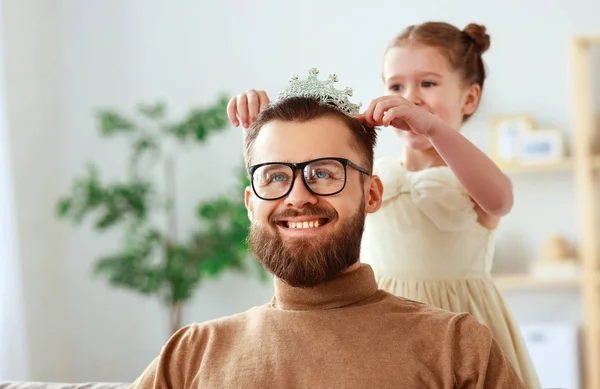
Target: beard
[(307, 262)]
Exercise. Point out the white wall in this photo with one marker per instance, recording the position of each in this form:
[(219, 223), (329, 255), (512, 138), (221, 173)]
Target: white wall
[(33, 97), (66, 58), (13, 348)]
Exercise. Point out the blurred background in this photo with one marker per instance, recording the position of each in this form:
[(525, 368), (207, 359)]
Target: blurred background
[(87, 81)]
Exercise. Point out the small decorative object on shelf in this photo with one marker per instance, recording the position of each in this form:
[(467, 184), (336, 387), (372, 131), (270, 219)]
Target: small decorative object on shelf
[(541, 146), (558, 260), (518, 143), (506, 131)]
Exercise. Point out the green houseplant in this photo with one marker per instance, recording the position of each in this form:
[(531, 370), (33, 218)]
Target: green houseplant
[(155, 258)]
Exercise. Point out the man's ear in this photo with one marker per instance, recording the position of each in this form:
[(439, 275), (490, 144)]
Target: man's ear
[(248, 201), (374, 195)]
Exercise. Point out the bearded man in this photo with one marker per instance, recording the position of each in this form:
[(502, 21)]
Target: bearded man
[(328, 325)]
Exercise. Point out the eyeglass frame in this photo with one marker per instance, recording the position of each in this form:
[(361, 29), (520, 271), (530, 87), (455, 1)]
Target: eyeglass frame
[(300, 166)]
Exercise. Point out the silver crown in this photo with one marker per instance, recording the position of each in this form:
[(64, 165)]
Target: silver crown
[(323, 90)]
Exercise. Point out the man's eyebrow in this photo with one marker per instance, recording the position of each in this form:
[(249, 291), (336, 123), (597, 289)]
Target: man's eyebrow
[(287, 161), (269, 167), (273, 161)]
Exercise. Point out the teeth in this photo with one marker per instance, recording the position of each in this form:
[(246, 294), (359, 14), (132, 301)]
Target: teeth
[(310, 224)]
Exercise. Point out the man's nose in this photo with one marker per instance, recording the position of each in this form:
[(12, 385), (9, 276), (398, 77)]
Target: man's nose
[(300, 196)]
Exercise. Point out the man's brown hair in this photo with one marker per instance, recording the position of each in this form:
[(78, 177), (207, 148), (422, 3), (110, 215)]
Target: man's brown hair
[(303, 109)]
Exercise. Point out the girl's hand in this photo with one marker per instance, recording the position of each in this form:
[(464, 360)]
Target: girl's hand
[(245, 108), (399, 113)]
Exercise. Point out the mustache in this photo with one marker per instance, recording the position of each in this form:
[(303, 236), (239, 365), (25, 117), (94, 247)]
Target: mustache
[(329, 213)]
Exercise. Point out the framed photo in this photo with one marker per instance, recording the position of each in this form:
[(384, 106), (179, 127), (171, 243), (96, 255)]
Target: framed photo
[(542, 146), (506, 132)]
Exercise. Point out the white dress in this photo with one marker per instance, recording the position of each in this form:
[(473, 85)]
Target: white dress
[(426, 244)]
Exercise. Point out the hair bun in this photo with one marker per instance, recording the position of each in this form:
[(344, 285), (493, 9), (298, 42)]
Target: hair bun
[(477, 33)]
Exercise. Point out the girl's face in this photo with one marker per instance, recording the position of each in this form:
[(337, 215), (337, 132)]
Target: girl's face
[(422, 75)]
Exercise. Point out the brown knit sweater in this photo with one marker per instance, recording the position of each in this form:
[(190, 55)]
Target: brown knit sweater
[(344, 334)]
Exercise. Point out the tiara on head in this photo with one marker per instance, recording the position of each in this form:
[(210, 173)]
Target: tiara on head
[(322, 90)]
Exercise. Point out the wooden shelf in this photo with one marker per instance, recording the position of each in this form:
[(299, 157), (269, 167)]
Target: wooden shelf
[(565, 165), (526, 281)]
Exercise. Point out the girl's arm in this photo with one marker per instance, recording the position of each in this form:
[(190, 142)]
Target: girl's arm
[(487, 185)]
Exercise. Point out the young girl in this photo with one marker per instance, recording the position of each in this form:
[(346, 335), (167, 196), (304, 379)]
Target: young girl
[(433, 238)]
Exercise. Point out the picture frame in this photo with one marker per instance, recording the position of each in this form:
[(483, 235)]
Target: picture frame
[(545, 145), (505, 136)]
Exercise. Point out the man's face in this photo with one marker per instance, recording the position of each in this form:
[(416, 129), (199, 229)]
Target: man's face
[(303, 238)]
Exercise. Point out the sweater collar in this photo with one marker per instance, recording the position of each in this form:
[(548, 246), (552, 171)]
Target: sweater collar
[(348, 289)]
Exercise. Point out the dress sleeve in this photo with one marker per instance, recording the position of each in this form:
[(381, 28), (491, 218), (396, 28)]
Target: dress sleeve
[(441, 198), (392, 175)]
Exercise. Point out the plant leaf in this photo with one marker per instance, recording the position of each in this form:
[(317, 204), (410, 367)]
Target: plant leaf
[(154, 111), (112, 123)]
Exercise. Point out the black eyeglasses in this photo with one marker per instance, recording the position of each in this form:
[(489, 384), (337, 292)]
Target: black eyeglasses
[(322, 177)]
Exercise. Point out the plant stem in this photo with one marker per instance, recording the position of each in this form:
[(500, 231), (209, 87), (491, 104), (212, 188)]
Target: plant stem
[(175, 314), (171, 234), (170, 192)]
